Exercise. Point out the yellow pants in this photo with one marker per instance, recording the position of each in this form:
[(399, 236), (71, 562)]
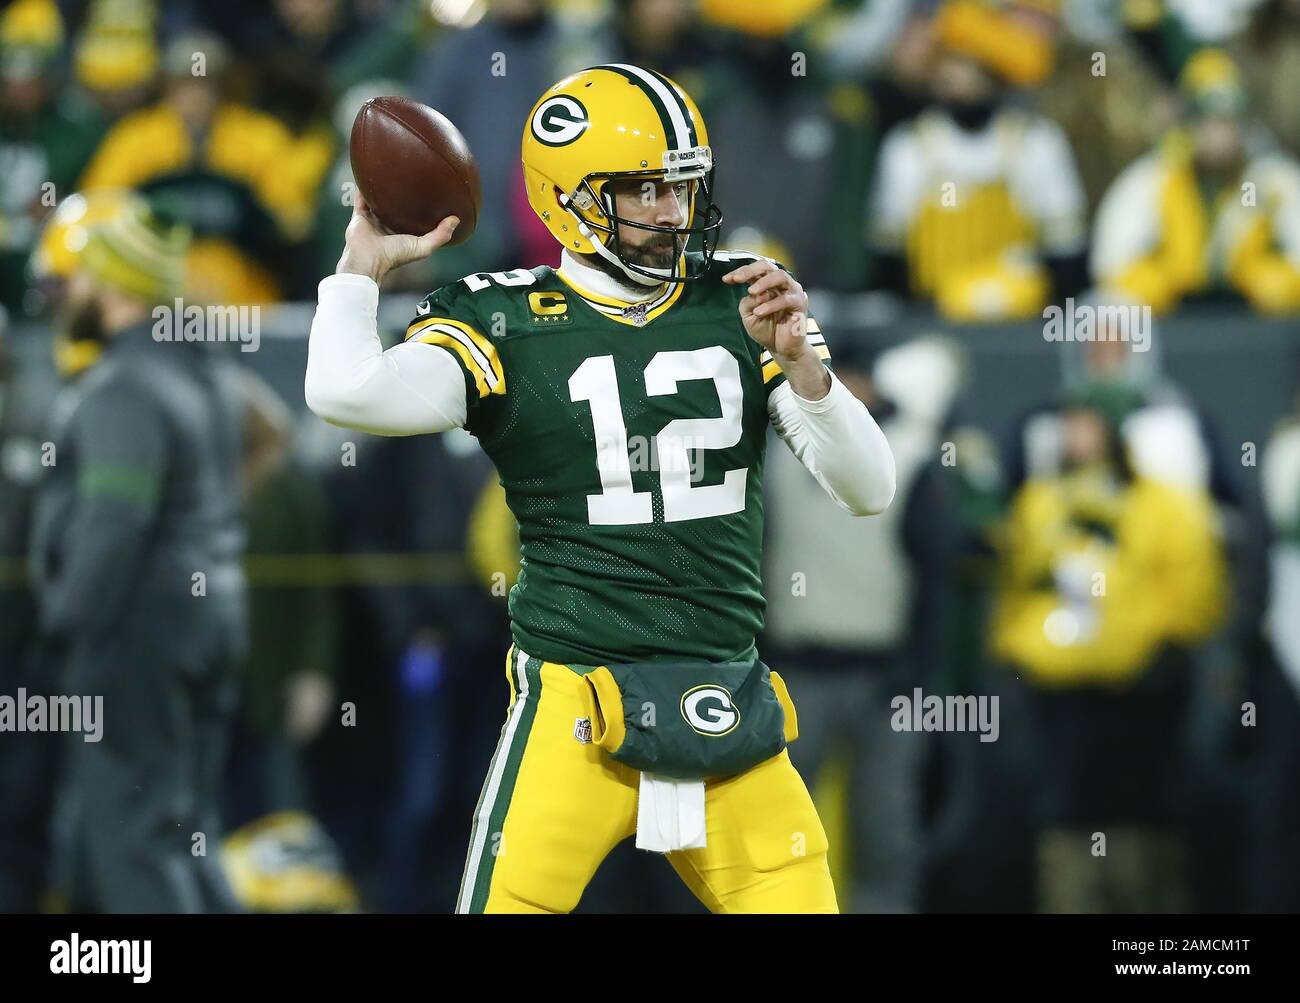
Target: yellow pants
[(552, 809)]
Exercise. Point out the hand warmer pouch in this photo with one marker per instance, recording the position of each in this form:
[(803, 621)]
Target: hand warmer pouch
[(691, 720)]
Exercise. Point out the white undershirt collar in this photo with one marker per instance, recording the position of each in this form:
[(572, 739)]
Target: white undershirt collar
[(594, 280)]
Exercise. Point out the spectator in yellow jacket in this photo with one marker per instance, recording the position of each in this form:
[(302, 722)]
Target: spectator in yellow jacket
[(977, 204), (1101, 571), (246, 186), (1215, 207), (1108, 579)]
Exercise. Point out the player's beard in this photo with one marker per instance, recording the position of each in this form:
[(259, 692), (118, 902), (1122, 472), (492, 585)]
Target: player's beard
[(659, 251)]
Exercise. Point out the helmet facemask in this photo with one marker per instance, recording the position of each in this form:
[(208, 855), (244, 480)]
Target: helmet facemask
[(594, 202)]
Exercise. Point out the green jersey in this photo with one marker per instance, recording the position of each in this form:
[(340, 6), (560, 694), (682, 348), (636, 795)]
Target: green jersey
[(630, 444)]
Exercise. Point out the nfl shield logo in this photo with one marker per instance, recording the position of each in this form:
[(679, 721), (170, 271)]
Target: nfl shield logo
[(582, 730), (636, 314)]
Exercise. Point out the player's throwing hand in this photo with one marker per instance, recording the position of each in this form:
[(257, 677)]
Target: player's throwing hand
[(371, 250)]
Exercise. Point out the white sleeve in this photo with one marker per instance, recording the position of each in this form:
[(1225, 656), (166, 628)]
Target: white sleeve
[(352, 381), (1281, 186), (839, 443), (896, 192), (1126, 228), (1050, 188)]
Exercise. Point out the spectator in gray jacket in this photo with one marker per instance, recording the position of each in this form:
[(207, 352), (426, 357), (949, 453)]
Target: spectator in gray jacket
[(136, 553)]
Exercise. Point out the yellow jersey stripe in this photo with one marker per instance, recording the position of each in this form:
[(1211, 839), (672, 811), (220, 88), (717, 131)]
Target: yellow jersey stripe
[(617, 310), (813, 339), (678, 289), (592, 297), (481, 345), (616, 315), (471, 366), (773, 369), (612, 308), (589, 296)]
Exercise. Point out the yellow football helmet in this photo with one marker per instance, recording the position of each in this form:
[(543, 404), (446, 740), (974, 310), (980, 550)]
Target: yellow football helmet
[(618, 121)]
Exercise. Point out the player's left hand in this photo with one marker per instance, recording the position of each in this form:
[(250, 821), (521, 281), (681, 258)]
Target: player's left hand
[(774, 309)]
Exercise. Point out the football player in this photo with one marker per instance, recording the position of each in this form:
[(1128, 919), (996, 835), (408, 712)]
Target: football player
[(625, 399)]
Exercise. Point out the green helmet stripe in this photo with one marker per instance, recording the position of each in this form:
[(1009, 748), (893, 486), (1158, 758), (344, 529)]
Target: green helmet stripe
[(692, 137)]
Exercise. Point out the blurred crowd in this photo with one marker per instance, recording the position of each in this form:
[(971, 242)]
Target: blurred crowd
[(1116, 571), (988, 157)]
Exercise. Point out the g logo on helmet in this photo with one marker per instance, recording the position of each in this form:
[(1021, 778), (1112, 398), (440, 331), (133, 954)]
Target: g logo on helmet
[(559, 121), (709, 711)]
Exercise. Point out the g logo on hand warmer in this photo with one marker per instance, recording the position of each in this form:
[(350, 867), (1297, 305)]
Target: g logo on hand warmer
[(709, 710)]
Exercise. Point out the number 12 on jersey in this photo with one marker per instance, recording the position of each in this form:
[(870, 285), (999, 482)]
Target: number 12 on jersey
[(618, 504)]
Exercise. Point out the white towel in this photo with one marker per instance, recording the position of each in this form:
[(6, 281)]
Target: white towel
[(670, 814)]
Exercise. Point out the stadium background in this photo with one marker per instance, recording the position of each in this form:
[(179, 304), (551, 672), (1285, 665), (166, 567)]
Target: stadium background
[(377, 565)]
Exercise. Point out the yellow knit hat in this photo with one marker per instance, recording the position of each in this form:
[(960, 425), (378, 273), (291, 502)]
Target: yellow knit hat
[(31, 36), (65, 235), (766, 19), (117, 46), (1211, 82), (139, 250), (32, 23), (997, 40)]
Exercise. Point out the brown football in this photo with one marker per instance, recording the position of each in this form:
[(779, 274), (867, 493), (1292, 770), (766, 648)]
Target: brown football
[(413, 167)]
